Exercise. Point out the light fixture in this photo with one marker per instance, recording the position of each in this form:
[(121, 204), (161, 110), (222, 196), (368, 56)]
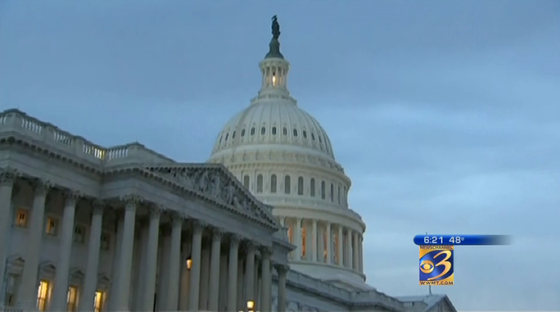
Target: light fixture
[(250, 306), (189, 263), (273, 79)]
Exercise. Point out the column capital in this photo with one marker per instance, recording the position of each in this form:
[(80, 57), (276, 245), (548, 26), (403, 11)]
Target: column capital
[(249, 246), (235, 239), (155, 210), (177, 218), (8, 176), (266, 251), (97, 206), (71, 197), (42, 187), (198, 225), (131, 199), (217, 233), (281, 268)]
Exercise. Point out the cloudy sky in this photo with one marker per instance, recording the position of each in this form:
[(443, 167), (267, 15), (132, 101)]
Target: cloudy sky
[(445, 114)]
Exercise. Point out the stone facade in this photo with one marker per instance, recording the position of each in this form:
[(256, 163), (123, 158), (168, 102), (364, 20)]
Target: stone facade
[(86, 228)]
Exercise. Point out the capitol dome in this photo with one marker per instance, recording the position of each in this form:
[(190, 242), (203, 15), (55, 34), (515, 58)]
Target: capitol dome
[(284, 157)]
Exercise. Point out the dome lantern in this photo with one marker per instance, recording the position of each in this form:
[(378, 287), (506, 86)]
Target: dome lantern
[(274, 68)]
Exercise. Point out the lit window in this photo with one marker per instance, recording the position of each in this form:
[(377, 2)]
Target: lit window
[(285, 131), (42, 295), (273, 183), (273, 130), (295, 132), (332, 192), (246, 182), (323, 190), (263, 130), (104, 243), (259, 183), (253, 131), (274, 79), (98, 301), (300, 186), (304, 134), (51, 227), (242, 132), (287, 184), (21, 218), (312, 187), (79, 234), (72, 298)]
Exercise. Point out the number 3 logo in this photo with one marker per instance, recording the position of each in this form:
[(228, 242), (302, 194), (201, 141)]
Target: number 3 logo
[(443, 262)]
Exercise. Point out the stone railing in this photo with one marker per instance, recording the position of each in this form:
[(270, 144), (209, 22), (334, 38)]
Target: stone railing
[(363, 298), (13, 120)]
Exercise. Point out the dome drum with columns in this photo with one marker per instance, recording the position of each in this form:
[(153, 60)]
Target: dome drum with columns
[(285, 158)]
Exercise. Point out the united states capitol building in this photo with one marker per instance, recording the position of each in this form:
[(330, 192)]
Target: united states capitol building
[(265, 225)]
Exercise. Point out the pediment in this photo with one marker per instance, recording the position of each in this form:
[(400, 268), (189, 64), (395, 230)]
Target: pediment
[(214, 182), (77, 273), (47, 267)]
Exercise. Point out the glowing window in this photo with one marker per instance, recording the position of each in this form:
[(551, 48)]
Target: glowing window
[(246, 182), (273, 183), (300, 186), (72, 298), (21, 218), (51, 226), (273, 78), (42, 295), (259, 183), (263, 130), (253, 131), (273, 130), (303, 242), (312, 187), (287, 184), (98, 301)]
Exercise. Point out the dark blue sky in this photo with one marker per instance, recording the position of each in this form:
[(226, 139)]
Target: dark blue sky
[(445, 114)]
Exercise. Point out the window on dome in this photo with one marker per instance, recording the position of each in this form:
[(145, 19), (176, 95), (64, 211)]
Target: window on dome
[(273, 130), (312, 136), (323, 190), (273, 183), (344, 194), (295, 132), (300, 186), (320, 141), (263, 130), (287, 184), (227, 135), (338, 194), (233, 135), (312, 187), (285, 131), (332, 192), (304, 134), (221, 137), (242, 132), (259, 183), (246, 182), (253, 131)]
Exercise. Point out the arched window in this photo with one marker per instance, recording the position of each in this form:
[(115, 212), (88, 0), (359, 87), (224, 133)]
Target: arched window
[(246, 182), (253, 131), (312, 136), (304, 134), (323, 190), (273, 183), (233, 135), (221, 137), (259, 183), (312, 187), (287, 184), (295, 132), (242, 132), (332, 192), (344, 194), (285, 131), (320, 141), (273, 130), (338, 194), (300, 186), (263, 130), (227, 135)]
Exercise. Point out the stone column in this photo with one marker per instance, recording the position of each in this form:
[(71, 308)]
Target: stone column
[(329, 244), (204, 277), (297, 238), (348, 248), (313, 247), (174, 263), (240, 283), (151, 259), (256, 284), (194, 287), (361, 253), (355, 251), (266, 296), (339, 242), (87, 294), (27, 296), (232, 273), (60, 290), (7, 179), (124, 269), (282, 272), (215, 253), (249, 273)]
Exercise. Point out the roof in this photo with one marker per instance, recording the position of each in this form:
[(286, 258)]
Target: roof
[(430, 301)]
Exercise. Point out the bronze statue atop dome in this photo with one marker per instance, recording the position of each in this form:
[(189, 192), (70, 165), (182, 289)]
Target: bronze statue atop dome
[(275, 28)]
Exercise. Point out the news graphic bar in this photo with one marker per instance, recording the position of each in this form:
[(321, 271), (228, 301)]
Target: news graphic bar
[(457, 240)]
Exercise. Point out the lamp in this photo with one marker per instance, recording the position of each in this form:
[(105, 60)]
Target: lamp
[(250, 306), (189, 263)]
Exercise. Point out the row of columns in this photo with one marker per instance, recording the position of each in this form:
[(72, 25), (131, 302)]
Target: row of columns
[(121, 278), (341, 245)]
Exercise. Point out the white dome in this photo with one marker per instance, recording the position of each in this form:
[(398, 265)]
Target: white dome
[(284, 157)]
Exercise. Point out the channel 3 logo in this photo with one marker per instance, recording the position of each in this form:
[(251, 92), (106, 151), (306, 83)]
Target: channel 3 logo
[(436, 265)]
